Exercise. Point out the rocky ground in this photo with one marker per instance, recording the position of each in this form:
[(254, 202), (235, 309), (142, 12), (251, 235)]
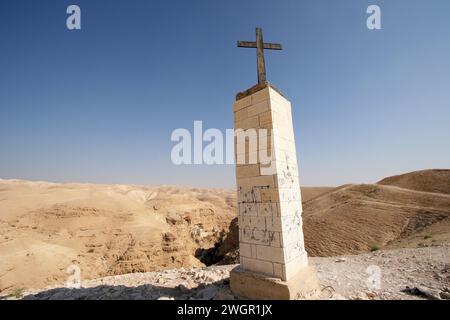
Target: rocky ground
[(355, 276), (420, 273)]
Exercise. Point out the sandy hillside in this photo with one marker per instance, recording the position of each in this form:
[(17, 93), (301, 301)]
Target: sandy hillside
[(358, 218), (309, 193), (437, 181)]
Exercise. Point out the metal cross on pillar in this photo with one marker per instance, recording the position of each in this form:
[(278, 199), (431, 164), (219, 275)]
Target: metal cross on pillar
[(260, 46)]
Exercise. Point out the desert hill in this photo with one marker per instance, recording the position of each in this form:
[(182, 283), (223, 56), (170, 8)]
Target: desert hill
[(437, 181), (359, 218), (104, 229)]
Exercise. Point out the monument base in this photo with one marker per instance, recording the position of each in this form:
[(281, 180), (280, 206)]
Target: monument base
[(255, 286)]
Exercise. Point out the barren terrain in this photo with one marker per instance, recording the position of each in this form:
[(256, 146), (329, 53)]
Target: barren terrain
[(110, 230), (425, 271), (436, 181), (359, 218), (106, 229)]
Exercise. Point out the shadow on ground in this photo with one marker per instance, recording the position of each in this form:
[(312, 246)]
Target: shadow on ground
[(217, 290)]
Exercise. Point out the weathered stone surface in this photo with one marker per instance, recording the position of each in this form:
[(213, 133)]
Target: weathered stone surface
[(247, 94), (269, 199), (253, 285)]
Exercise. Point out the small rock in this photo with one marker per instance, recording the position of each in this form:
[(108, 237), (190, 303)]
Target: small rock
[(183, 289), (174, 219), (165, 298), (422, 291), (211, 277), (224, 296), (371, 294), (445, 295), (340, 260), (208, 293), (169, 237), (201, 286)]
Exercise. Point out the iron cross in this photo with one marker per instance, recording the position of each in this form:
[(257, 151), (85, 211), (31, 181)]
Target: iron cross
[(260, 46)]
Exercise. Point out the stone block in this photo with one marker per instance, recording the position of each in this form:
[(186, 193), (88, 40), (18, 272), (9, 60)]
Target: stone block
[(245, 250), (268, 253), (274, 223), (241, 115), (248, 123), (242, 103), (261, 237), (261, 182), (248, 142), (247, 171), (290, 208), (252, 186), (269, 195), (289, 195), (294, 249), (247, 208), (291, 236), (268, 209), (294, 267), (246, 158), (278, 270), (258, 108), (265, 119), (255, 265), (255, 286), (250, 221), (261, 95), (287, 180)]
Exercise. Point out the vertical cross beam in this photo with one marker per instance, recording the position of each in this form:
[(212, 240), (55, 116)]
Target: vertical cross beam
[(261, 65)]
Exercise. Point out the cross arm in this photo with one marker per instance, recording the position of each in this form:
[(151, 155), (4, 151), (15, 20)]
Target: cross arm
[(273, 46), (250, 44)]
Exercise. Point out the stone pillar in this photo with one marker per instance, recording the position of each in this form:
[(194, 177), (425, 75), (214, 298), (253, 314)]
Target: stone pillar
[(273, 260)]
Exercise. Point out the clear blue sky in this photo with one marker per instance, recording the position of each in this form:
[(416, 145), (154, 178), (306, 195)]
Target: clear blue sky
[(99, 105)]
